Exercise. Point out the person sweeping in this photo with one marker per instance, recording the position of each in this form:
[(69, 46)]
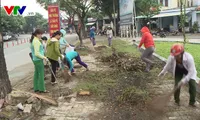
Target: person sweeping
[(147, 40), (69, 57), (182, 65), (53, 53)]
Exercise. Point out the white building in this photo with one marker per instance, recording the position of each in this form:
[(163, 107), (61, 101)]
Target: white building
[(169, 16)]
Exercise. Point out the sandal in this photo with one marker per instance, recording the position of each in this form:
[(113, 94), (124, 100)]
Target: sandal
[(53, 83)]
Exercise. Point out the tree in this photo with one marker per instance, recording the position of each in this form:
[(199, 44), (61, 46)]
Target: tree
[(183, 19), (11, 23), (36, 21), (78, 7), (5, 85), (81, 9), (147, 8), (94, 13), (106, 6)]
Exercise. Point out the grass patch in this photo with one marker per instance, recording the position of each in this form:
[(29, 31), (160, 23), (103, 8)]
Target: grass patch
[(163, 49), (120, 47), (120, 85), (123, 46), (84, 51), (96, 82)]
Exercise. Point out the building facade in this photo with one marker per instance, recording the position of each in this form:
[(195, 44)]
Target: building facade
[(169, 16)]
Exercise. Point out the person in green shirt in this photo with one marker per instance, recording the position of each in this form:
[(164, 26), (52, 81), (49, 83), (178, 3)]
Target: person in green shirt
[(53, 53), (37, 51)]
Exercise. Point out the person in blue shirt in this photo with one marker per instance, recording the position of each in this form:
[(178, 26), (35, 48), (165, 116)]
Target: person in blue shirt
[(69, 57), (92, 35)]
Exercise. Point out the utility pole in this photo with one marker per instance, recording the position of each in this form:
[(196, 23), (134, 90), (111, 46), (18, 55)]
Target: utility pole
[(135, 22), (114, 18)]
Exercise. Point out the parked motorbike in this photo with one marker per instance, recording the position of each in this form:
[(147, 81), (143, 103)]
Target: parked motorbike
[(162, 35)]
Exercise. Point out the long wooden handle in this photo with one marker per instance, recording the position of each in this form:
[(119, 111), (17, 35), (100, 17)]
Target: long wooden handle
[(175, 89), (52, 71)]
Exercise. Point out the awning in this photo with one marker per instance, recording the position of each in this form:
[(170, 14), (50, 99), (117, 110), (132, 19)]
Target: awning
[(169, 14), (139, 17), (89, 24)]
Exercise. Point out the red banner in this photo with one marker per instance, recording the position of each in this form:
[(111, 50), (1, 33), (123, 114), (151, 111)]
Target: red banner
[(54, 19)]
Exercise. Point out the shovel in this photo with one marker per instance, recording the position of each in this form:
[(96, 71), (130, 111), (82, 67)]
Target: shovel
[(158, 104)]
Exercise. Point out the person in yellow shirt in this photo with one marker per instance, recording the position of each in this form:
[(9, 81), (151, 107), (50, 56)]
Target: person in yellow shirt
[(37, 51)]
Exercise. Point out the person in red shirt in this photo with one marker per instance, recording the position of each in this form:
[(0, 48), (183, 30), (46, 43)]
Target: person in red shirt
[(147, 40)]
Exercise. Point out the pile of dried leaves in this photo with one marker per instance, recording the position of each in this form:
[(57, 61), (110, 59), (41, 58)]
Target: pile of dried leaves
[(124, 61)]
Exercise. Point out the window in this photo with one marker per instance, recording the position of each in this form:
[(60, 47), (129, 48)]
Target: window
[(191, 3), (161, 2), (188, 3), (166, 3)]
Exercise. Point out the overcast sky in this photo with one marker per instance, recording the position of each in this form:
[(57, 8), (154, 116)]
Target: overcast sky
[(31, 6)]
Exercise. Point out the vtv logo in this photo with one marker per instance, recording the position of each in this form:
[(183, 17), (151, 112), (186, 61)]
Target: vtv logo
[(15, 10)]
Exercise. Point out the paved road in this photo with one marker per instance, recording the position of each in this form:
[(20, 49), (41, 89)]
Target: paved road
[(17, 56)]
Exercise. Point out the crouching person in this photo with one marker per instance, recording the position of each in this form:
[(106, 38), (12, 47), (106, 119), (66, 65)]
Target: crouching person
[(182, 65), (69, 56)]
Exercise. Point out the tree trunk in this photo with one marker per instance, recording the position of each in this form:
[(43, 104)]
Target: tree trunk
[(183, 10), (118, 19), (5, 86), (78, 32), (83, 29)]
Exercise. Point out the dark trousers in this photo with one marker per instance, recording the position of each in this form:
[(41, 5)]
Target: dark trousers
[(78, 59), (58, 65), (53, 67), (192, 85), (93, 41)]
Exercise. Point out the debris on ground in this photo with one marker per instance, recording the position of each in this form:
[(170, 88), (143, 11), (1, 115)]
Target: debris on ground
[(21, 103), (84, 93), (124, 61), (27, 108)]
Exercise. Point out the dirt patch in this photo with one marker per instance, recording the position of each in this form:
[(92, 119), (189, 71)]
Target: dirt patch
[(123, 86)]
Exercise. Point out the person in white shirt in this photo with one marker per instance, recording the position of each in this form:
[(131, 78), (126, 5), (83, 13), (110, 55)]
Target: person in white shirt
[(181, 65), (110, 35)]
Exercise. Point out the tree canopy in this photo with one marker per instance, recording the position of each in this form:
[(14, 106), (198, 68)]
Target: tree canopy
[(147, 8), (11, 23), (36, 21), (72, 7), (18, 24)]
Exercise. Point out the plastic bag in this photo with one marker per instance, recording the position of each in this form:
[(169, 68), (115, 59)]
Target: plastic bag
[(69, 49)]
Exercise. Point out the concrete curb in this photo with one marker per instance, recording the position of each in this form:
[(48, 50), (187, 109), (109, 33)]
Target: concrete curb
[(165, 60), (191, 41)]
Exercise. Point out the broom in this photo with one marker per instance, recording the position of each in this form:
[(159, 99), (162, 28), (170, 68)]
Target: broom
[(158, 104), (65, 74)]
